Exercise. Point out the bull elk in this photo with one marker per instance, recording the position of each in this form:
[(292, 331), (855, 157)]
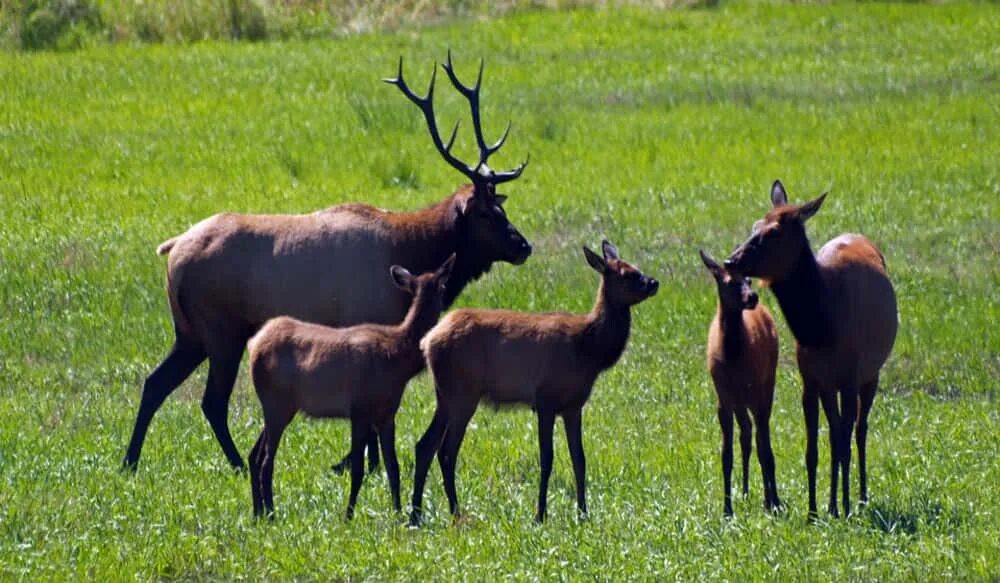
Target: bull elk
[(841, 308), (742, 356), (546, 361), (230, 273), (357, 373)]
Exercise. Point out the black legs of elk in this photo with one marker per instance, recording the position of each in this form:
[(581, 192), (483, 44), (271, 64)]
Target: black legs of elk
[(444, 437), (865, 400), (765, 455), (574, 438), (428, 445), (371, 444), (261, 460), (184, 357), (854, 405)]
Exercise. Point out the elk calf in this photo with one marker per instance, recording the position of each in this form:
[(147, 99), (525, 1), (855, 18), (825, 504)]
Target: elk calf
[(841, 308), (357, 373), (742, 357), (547, 361)]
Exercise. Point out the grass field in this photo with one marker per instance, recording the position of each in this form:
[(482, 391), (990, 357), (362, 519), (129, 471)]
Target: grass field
[(661, 131)]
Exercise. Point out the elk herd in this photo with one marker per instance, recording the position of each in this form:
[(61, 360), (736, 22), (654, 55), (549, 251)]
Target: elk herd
[(340, 308)]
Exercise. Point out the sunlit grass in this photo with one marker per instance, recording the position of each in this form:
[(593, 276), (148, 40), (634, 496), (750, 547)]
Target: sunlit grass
[(660, 131)]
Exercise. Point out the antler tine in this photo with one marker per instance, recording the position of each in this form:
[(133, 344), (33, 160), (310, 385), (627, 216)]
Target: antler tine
[(499, 143), (472, 95), (426, 105), (501, 177)]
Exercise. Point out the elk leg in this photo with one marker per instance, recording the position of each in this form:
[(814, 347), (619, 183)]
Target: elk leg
[(829, 401), (849, 412), (222, 369), (810, 410), (372, 451), (425, 450), (255, 459), (726, 424), (184, 357), (765, 455), (270, 449), (546, 421), (387, 435), (360, 428), (448, 457), (746, 447), (573, 423), (865, 400), (372, 445)]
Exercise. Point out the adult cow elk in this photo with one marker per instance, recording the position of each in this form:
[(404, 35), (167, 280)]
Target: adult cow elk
[(841, 308), (230, 273), (546, 361)]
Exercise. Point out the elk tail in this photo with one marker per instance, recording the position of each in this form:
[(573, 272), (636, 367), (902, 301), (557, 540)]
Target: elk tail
[(166, 246)]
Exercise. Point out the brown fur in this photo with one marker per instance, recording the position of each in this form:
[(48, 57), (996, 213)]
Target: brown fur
[(230, 273), (841, 308), (742, 356), (358, 372), (546, 361)]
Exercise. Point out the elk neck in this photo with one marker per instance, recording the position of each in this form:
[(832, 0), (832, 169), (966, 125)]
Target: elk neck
[(423, 314), (606, 332), (802, 296), (429, 236), (733, 331)]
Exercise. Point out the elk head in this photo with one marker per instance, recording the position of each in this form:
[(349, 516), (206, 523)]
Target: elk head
[(735, 292), (777, 241), (623, 283), (483, 222), (432, 281)]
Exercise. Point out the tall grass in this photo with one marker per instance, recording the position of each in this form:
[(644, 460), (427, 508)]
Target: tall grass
[(73, 24)]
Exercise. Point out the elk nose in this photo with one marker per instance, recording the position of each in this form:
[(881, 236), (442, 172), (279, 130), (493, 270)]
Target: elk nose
[(525, 247), (654, 286)]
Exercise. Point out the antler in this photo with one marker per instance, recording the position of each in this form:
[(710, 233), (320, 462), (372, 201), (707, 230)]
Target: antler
[(480, 174), (426, 105)]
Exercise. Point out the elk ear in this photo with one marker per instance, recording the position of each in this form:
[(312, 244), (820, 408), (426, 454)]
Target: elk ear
[(778, 195), (444, 272), (609, 250), (500, 199), (402, 278), (807, 210), (710, 264), (595, 261)]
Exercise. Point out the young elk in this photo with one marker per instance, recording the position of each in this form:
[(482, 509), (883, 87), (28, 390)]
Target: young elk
[(742, 357), (547, 361), (357, 373), (230, 273), (841, 308)]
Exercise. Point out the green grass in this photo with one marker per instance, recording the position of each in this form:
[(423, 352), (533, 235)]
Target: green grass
[(659, 130)]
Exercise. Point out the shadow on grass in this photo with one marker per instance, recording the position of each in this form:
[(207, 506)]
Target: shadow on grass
[(893, 518)]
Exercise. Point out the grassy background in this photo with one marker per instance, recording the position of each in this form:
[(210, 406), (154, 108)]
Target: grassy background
[(659, 130)]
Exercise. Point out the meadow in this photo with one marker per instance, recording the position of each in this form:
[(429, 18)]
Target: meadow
[(659, 130)]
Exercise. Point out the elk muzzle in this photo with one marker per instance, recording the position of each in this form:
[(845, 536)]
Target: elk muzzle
[(742, 259), (519, 247)]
